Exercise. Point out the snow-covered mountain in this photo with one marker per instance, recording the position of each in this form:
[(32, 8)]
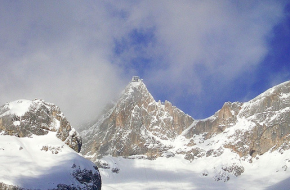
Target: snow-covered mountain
[(240, 142), (24, 118), (249, 129), (39, 149), (135, 125)]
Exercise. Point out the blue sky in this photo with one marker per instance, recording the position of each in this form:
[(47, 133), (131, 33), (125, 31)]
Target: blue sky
[(196, 54)]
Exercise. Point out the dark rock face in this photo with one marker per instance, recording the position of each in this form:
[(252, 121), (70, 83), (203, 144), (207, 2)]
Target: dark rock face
[(39, 118), (91, 180), (135, 125)]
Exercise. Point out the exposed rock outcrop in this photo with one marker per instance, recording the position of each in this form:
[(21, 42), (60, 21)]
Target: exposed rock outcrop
[(39, 145), (260, 125), (224, 118), (269, 114), (137, 124), (22, 118)]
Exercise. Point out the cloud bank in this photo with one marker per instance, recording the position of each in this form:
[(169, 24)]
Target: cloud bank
[(80, 55)]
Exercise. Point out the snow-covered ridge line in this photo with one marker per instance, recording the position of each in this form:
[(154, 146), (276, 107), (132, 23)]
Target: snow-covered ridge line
[(280, 88), (238, 133), (24, 118), (39, 149), (18, 107), (135, 115), (136, 101)]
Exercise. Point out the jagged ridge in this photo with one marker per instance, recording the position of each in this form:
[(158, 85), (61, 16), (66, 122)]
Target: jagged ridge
[(135, 125), (38, 149), (23, 118)]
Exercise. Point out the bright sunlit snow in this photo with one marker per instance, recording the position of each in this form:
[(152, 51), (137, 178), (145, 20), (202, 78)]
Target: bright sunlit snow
[(18, 107), (266, 173), (39, 162)]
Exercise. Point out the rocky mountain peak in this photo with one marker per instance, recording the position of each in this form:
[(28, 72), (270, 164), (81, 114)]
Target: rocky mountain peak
[(137, 124), (139, 127), (252, 128), (137, 112), (238, 137), (23, 118), (136, 93)]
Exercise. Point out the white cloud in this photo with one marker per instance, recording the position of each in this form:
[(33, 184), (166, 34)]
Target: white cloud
[(59, 52), (225, 38), (64, 51)]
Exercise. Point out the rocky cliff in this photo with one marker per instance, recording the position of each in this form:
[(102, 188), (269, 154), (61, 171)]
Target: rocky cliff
[(257, 126), (135, 125), (38, 149), (23, 118), (138, 125)]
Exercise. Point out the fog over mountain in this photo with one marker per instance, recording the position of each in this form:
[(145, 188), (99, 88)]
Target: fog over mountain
[(197, 55)]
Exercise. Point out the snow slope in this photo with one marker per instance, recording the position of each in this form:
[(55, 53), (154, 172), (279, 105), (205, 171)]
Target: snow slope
[(38, 149), (18, 107), (23, 118), (270, 172), (242, 146), (40, 162)]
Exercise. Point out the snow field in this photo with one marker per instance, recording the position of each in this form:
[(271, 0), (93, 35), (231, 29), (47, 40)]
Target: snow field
[(39, 162), (18, 107), (265, 173)]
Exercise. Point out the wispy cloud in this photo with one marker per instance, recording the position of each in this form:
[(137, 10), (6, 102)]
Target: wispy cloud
[(59, 51), (80, 55), (220, 39), (200, 48)]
